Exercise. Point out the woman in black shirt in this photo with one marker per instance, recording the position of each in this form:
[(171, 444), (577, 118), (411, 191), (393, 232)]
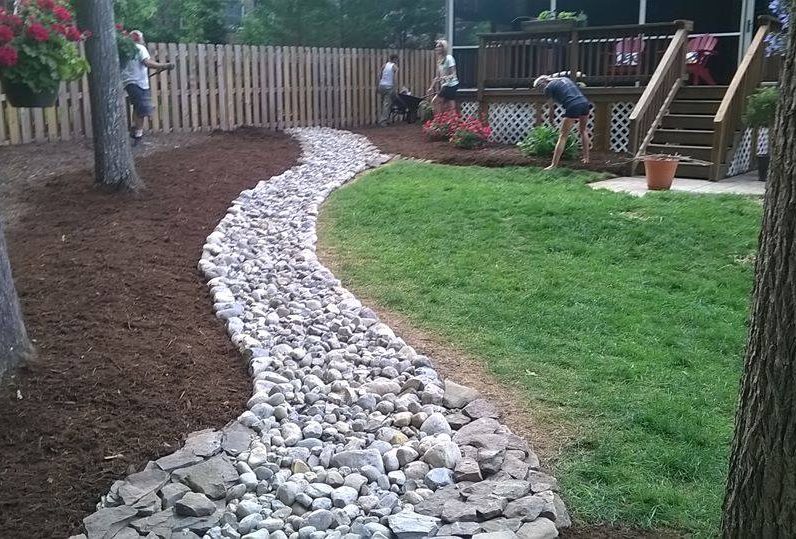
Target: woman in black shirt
[(566, 93)]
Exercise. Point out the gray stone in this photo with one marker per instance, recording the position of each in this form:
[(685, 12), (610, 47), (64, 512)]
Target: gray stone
[(467, 470), (209, 477), (148, 505), (356, 459), (343, 496), (258, 534), (287, 492), (501, 524), (382, 386), (457, 420), (138, 485), (456, 511), (319, 490), (436, 424), (178, 459), (511, 490), (464, 528), (236, 438), (458, 396), (406, 525), (416, 470), (204, 443), (540, 481), (199, 525), (481, 408), (490, 460), (106, 523), (515, 467), (489, 507), (193, 504), (476, 430), (560, 513), (527, 508), (439, 477), (160, 523), (443, 455), (434, 504), (127, 533), (320, 520), (505, 534), (540, 528)]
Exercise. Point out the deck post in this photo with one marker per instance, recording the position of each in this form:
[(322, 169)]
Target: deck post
[(481, 69)]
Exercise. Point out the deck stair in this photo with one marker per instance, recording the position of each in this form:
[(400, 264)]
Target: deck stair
[(687, 128)]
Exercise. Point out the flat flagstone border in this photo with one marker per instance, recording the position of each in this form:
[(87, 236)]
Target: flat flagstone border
[(747, 184), (349, 431)]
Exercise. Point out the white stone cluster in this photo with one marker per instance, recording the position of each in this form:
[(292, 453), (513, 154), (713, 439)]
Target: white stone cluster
[(349, 432)]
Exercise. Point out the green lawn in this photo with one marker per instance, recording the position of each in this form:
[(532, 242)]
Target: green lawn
[(622, 318)]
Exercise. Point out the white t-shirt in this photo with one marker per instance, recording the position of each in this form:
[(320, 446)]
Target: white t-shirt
[(388, 75), (135, 72), (444, 65)]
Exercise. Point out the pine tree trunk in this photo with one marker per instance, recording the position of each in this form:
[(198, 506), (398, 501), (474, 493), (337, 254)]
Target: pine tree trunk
[(114, 168), (14, 343), (761, 489)]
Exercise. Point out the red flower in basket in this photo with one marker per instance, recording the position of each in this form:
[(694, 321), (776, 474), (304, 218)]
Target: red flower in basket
[(37, 32), (8, 56), (62, 14), (6, 34)]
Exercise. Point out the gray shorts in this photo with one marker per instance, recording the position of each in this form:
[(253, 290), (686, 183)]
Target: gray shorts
[(141, 100)]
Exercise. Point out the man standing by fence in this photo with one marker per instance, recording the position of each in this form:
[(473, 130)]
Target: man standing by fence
[(135, 78), (387, 88)]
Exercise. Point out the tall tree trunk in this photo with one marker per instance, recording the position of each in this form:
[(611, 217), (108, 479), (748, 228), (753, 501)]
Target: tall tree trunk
[(761, 489), (14, 343), (113, 158)]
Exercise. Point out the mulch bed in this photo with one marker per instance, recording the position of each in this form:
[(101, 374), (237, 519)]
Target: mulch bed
[(130, 357), (408, 140)]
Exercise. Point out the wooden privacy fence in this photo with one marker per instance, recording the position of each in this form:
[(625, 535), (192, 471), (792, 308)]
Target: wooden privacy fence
[(228, 86)]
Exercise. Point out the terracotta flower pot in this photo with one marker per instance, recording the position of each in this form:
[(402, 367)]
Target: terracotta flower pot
[(20, 96), (660, 172)]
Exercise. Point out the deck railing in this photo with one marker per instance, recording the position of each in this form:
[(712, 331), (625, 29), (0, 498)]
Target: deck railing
[(747, 79), (604, 55), (660, 91)]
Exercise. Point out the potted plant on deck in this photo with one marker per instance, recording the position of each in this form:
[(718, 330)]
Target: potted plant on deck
[(550, 21), (761, 108), (38, 50)]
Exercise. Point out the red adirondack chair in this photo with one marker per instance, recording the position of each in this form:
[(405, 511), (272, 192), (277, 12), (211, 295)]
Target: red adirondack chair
[(700, 50), (627, 56)]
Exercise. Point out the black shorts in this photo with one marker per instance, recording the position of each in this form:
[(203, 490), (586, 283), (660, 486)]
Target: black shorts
[(578, 110), (448, 92), (141, 100)]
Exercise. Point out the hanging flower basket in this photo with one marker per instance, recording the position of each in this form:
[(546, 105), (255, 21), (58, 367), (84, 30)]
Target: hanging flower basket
[(21, 96), (38, 50)]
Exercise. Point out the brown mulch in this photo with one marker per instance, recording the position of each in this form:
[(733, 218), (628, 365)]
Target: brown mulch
[(130, 356), (407, 140)]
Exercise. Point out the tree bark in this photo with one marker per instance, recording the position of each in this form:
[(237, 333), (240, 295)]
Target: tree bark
[(761, 490), (114, 168), (14, 343)]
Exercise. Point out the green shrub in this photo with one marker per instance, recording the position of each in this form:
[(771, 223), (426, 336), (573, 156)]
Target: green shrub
[(541, 142), (761, 107)]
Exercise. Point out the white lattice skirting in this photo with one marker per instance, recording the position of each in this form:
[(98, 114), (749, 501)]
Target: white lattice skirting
[(742, 160), (510, 122)]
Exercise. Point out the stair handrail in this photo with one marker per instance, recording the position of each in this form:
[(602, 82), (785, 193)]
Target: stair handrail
[(659, 93), (746, 80)]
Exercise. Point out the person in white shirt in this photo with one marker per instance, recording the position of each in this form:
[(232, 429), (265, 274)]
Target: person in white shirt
[(446, 84), (135, 78), (387, 84)]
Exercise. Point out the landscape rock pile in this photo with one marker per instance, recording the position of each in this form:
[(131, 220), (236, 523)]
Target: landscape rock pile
[(349, 432)]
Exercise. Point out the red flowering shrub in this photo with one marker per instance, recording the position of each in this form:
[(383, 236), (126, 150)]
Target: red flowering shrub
[(441, 126), (37, 45), (471, 133)]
